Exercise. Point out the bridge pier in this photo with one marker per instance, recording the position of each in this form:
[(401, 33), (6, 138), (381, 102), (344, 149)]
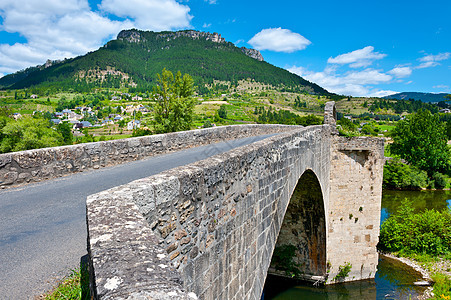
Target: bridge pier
[(354, 207)]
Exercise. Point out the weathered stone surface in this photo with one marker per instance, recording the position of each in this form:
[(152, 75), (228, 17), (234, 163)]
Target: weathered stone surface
[(49, 163), (219, 219)]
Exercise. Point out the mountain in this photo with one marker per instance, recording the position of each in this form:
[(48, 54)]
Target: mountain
[(135, 57), (425, 97)]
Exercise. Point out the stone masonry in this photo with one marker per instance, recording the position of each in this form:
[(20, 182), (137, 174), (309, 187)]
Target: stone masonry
[(40, 164), (208, 230)]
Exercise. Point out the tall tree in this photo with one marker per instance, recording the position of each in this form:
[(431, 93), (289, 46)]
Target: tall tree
[(174, 108), (421, 140)]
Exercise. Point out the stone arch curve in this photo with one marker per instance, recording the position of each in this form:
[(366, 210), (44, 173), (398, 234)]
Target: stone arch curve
[(300, 246)]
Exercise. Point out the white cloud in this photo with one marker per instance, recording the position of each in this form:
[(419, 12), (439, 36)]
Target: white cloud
[(57, 29), (355, 83), (358, 58), (211, 1), (401, 72), (150, 14), (279, 40), (206, 25), (431, 60), (382, 93)]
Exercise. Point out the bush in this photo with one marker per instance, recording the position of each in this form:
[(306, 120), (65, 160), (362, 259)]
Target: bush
[(207, 124), (222, 112), (398, 175), (428, 232), (440, 180)]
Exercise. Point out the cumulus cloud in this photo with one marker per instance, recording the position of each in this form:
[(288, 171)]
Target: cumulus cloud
[(430, 60), (279, 40), (357, 58), (57, 29), (356, 83), (401, 72), (155, 15)]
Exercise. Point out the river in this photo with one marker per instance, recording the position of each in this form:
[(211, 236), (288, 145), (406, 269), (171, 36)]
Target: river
[(394, 280)]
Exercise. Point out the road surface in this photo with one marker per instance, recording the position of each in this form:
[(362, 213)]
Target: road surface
[(43, 225)]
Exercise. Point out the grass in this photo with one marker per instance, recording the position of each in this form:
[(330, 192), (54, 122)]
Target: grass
[(442, 286), (74, 287)]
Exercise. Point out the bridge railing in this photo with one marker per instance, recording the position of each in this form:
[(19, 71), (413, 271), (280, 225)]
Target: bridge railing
[(40, 164)]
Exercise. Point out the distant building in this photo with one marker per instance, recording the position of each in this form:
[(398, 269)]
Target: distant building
[(17, 116), (85, 124), (107, 122), (445, 111), (56, 121), (133, 124), (34, 96)]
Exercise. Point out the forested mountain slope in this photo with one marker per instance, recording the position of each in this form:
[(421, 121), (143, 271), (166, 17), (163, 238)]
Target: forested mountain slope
[(133, 59)]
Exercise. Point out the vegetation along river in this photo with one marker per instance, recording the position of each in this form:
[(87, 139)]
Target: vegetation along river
[(394, 280)]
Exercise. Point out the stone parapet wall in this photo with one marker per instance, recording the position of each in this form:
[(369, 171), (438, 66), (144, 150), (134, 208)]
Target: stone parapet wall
[(212, 225), (36, 165)]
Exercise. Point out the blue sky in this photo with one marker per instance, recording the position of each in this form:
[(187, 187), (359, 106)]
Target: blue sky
[(358, 48)]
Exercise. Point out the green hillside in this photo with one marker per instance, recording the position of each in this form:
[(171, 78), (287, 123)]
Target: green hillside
[(133, 59)]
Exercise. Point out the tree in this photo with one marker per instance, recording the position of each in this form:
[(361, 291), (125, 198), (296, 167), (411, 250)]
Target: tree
[(222, 112), (174, 105), (65, 129), (28, 133), (421, 140)]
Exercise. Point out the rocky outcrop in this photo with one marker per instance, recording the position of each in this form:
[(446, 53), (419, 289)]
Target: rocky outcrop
[(195, 35), (255, 54), (133, 36)]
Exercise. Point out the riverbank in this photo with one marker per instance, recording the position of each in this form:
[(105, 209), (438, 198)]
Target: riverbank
[(426, 269)]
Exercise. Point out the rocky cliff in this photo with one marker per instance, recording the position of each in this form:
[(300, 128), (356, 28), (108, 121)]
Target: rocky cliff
[(255, 54), (134, 36)]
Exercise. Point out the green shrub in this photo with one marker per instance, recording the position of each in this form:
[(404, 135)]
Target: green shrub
[(368, 130), (428, 232), (398, 175), (222, 111), (282, 260), (440, 180), (343, 272), (207, 124)]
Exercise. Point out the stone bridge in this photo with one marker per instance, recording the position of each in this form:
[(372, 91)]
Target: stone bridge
[(209, 230)]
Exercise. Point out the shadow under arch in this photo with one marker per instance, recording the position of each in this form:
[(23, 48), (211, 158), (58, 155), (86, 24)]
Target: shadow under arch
[(300, 250)]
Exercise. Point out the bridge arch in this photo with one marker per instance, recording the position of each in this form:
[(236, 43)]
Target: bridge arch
[(302, 236)]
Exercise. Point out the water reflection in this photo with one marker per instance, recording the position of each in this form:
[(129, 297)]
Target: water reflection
[(394, 280), (391, 200)]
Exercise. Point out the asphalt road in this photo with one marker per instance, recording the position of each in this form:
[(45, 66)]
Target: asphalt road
[(43, 225)]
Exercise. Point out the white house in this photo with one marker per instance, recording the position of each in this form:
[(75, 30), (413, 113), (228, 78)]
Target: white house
[(133, 124)]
